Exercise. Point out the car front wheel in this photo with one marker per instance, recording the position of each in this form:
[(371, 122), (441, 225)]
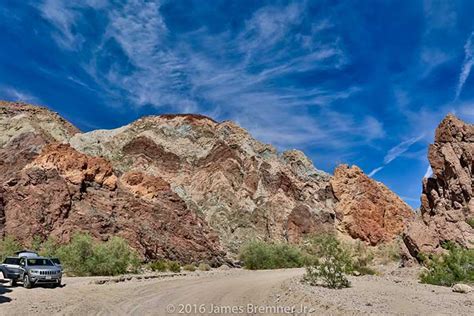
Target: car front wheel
[(26, 281)]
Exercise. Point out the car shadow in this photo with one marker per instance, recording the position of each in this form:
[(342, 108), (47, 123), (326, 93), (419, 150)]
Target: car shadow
[(3, 290)]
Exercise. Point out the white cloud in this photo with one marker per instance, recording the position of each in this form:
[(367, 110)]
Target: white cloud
[(466, 66), (13, 94), (64, 15), (373, 172), (395, 152), (228, 75)]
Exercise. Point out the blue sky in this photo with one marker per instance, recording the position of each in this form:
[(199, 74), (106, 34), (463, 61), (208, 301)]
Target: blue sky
[(357, 82)]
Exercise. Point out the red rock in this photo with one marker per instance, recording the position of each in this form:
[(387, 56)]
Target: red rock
[(367, 209)]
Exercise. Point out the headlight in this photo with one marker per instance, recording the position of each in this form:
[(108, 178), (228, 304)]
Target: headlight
[(34, 271)]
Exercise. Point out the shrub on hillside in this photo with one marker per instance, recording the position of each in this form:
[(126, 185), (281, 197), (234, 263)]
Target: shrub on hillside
[(388, 252), (470, 221), (82, 256), (174, 266), (8, 246), (189, 267), (261, 255), (457, 265), (112, 257), (49, 248), (204, 267), (361, 257), (159, 265), (330, 261)]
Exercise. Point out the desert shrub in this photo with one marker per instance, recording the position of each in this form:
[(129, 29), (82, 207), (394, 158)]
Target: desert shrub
[(77, 254), (8, 246), (361, 257), (204, 267), (470, 221), (159, 265), (457, 265), (112, 257), (189, 267), (388, 252), (82, 256), (330, 262), (261, 255), (174, 266), (49, 248), (36, 243)]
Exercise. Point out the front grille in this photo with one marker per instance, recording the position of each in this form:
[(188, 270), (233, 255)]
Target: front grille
[(47, 272)]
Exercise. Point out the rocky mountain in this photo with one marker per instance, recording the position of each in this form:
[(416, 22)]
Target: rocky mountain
[(178, 186), (50, 189), (243, 188), (447, 200)]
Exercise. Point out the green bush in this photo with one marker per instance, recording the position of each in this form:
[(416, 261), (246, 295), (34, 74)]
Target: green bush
[(159, 265), (8, 247), (112, 257), (204, 267), (189, 267), (330, 262), (36, 243), (76, 256), (457, 265), (258, 255), (174, 266), (82, 256), (470, 221), (49, 248)]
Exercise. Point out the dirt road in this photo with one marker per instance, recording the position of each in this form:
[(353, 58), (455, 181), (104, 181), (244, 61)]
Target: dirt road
[(236, 292), (192, 294)]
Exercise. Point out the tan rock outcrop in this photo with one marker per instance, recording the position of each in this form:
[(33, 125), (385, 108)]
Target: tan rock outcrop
[(243, 188), (367, 209), (447, 200)]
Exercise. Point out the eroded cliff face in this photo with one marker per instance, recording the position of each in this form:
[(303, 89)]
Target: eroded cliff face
[(183, 187), (447, 200), (50, 189), (243, 188), (367, 209)]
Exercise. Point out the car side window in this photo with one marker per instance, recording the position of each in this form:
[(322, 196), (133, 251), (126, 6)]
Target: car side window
[(22, 262)]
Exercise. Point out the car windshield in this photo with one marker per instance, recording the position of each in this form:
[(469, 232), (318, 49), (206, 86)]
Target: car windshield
[(12, 261), (39, 262), (56, 261)]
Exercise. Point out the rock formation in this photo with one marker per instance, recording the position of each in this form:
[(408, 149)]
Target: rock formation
[(366, 209), (447, 200), (50, 189), (183, 187), (243, 188)]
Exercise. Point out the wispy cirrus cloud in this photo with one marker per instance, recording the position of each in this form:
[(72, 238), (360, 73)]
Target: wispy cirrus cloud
[(229, 74), (13, 94), (466, 66), (396, 152)]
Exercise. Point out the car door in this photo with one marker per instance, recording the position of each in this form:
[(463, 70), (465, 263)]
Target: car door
[(11, 267), (22, 267)]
